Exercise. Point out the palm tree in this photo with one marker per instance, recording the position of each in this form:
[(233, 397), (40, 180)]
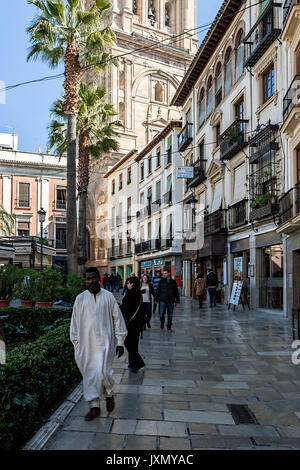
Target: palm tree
[(6, 222), (95, 130), (64, 32)]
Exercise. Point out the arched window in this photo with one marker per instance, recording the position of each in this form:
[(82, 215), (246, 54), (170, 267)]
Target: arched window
[(209, 98), (218, 85), (202, 107), (239, 56), (228, 71), (159, 92)]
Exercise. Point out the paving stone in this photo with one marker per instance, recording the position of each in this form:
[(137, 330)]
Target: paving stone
[(77, 423), (177, 405), (220, 442), (161, 428), (289, 431), (207, 406), (124, 426), (140, 443), (69, 440), (248, 430), (198, 417), (200, 428), (285, 406), (277, 443), (169, 383), (268, 417), (107, 442), (172, 443)]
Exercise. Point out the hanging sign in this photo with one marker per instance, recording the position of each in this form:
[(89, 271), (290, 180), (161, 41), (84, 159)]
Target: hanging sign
[(185, 172)]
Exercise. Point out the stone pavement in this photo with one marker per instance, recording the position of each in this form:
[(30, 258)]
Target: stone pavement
[(211, 358)]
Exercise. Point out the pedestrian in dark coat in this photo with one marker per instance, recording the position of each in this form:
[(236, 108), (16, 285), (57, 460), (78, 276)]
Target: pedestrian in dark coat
[(168, 296), (132, 310), (212, 284)]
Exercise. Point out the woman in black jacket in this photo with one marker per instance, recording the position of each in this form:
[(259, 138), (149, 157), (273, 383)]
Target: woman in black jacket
[(133, 312)]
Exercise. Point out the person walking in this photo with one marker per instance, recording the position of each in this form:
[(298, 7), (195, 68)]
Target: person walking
[(147, 292), (96, 325), (155, 283), (212, 284), (106, 281), (199, 288), (112, 282), (168, 296), (125, 285), (132, 310), (118, 282)]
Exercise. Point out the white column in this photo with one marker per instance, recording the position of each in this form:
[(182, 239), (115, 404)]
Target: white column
[(127, 4), (7, 193), (44, 201)]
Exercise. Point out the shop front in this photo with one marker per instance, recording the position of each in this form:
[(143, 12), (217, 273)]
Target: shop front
[(240, 264)]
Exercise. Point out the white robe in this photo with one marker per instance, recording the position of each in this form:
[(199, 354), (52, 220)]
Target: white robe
[(95, 325)]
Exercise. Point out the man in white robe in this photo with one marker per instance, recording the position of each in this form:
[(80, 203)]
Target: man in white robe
[(95, 325)]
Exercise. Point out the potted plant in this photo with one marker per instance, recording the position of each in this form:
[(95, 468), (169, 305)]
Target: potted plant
[(25, 289), (8, 277), (48, 287)]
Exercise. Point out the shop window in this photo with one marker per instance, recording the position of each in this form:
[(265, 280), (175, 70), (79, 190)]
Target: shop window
[(268, 83), (271, 281)]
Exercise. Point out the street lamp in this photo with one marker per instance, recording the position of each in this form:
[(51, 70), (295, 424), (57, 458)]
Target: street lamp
[(193, 203), (42, 218)]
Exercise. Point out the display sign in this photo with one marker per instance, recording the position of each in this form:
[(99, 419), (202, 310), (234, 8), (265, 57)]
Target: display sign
[(236, 292), (146, 264), (238, 268), (157, 262), (185, 172)]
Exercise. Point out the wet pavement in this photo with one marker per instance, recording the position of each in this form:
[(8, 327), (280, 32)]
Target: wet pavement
[(212, 358)]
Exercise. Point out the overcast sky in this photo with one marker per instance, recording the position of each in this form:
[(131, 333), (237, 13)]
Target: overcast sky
[(26, 110)]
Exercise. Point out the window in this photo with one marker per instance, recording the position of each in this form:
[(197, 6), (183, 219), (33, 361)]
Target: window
[(129, 209), (113, 187), (120, 181), (24, 195), (158, 188), (159, 92), (169, 149), (209, 98), (268, 83), (202, 108), (61, 198), (218, 85), (240, 113), (239, 56), (122, 112), (129, 175), (158, 157), (228, 71), (60, 236), (23, 228), (167, 14), (150, 165), (149, 196), (142, 171), (217, 135), (149, 230), (113, 217), (202, 150), (135, 7), (263, 5)]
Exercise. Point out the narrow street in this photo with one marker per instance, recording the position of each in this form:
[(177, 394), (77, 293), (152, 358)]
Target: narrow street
[(212, 358)]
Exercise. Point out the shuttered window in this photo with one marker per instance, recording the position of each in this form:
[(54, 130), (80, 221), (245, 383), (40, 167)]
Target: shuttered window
[(239, 183), (23, 229), (217, 196), (24, 195)]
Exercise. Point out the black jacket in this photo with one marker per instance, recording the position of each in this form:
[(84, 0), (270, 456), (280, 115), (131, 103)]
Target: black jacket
[(212, 280), (167, 291), (130, 303)]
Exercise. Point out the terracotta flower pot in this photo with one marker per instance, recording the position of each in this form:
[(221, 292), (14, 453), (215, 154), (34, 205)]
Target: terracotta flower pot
[(44, 304), (4, 303), (27, 303)]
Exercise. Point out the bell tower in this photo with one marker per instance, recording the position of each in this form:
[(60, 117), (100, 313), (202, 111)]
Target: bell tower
[(155, 44)]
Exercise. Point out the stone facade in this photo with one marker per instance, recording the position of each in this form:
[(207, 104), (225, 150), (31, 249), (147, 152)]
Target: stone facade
[(140, 88)]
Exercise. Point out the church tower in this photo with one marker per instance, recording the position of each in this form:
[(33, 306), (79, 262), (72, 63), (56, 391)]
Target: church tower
[(155, 44)]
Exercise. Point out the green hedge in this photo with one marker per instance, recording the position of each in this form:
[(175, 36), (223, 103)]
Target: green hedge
[(30, 323), (34, 377)]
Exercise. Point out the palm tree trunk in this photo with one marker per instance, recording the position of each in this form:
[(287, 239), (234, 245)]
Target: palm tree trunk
[(83, 181), (71, 195), (71, 85)]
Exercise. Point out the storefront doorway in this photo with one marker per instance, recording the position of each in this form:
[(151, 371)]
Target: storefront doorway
[(271, 279)]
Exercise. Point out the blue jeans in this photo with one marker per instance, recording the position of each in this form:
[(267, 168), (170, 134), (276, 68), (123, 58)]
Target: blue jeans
[(163, 307), (212, 296)]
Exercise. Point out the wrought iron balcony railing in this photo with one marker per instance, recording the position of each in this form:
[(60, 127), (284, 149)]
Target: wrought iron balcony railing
[(167, 197), (23, 203), (60, 244), (156, 206), (199, 174), (289, 204), (143, 247), (185, 137), (215, 222), (59, 204), (262, 141), (292, 97), (288, 4), (233, 139), (262, 35), (238, 214)]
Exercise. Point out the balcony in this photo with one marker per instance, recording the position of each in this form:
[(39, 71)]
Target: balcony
[(185, 137), (268, 210), (238, 214), (291, 107), (166, 243), (156, 244), (199, 174), (156, 206), (23, 203), (262, 35), (262, 141), (143, 213), (167, 197), (233, 139), (289, 211), (60, 244), (291, 9), (143, 247), (215, 222), (59, 204)]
